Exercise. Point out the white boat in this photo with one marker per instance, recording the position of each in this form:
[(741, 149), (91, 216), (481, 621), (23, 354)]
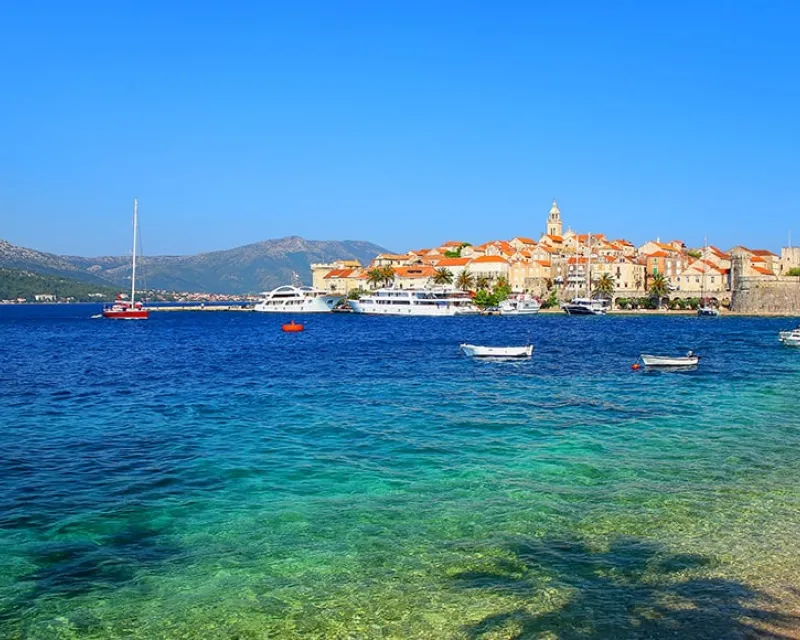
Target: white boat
[(415, 302), (790, 338), (497, 352), (291, 299), (519, 306), (689, 360), (586, 306), (707, 311)]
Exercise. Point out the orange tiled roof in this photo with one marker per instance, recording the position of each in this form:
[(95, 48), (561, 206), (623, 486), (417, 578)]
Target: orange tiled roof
[(452, 262), (762, 252), (414, 272), (554, 238), (763, 271), (524, 240), (483, 259), (339, 273)]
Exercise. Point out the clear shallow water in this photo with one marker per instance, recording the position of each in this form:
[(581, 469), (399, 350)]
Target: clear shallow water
[(205, 475)]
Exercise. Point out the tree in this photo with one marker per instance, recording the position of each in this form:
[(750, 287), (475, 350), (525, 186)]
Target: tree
[(481, 282), (355, 294), (484, 299), (793, 272), (551, 300), (388, 276), (375, 277), (501, 290), (604, 286), (443, 276), (465, 280), (658, 288)]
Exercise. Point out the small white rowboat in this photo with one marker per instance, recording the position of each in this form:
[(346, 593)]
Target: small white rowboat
[(689, 360), (497, 352)]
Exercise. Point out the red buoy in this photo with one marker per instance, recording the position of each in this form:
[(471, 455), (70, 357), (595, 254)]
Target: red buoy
[(636, 366), (293, 327)]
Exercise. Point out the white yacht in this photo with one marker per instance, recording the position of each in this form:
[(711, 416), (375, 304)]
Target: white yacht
[(521, 305), (586, 306), (415, 302), (790, 338), (291, 299)]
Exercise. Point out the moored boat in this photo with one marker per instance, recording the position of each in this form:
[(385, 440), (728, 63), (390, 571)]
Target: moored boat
[(707, 311), (689, 360), (415, 302), (520, 305), (122, 309), (586, 307), (292, 299), (477, 351)]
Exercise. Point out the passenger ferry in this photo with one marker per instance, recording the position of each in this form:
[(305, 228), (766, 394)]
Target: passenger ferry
[(415, 302), (291, 299)]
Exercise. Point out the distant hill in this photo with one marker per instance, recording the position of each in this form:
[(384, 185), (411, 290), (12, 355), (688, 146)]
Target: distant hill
[(248, 269), (18, 283), (14, 257)]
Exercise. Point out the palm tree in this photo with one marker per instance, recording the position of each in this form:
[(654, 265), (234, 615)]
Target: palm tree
[(481, 282), (501, 283), (375, 277), (604, 286), (659, 288), (388, 276), (443, 276), (465, 281)]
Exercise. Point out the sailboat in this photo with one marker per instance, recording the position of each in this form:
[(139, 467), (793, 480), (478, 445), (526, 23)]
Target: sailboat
[(705, 309), (122, 309), (587, 306)]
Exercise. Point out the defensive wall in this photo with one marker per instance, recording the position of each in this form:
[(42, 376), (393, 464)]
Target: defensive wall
[(766, 294)]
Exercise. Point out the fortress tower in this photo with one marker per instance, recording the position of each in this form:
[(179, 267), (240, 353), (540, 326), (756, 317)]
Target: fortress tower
[(554, 226)]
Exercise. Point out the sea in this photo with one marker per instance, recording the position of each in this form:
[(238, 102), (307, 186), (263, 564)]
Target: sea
[(205, 475)]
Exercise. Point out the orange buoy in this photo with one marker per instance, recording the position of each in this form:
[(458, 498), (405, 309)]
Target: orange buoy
[(293, 327), (636, 366)]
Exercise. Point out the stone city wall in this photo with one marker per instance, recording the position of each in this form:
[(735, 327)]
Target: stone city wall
[(764, 294)]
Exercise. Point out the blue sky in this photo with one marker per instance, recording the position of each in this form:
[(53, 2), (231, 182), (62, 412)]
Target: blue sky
[(400, 122)]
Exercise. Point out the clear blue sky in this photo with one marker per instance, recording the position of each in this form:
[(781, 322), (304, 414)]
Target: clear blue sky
[(400, 122)]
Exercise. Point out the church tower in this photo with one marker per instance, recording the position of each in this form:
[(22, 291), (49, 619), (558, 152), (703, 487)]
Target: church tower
[(554, 226)]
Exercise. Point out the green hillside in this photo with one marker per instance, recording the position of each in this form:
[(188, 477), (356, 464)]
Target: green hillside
[(20, 283)]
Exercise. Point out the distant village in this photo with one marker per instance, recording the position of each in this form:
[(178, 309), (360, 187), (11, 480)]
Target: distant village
[(558, 265)]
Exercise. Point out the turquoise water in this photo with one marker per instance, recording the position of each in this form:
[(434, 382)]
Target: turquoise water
[(203, 475)]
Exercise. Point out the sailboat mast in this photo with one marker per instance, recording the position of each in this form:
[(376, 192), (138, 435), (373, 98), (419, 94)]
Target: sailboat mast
[(133, 263), (589, 270)]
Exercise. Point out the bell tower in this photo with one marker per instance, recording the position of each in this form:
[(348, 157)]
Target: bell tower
[(554, 226)]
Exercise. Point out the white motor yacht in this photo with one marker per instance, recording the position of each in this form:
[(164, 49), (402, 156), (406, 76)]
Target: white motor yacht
[(790, 338), (521, 305), (586, 306), (415, 302), (291, 299)]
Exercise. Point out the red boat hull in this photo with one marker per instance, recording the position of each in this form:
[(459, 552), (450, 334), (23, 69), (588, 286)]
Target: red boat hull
[(127, 314)]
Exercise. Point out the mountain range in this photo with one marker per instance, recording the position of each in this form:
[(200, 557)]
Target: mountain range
[(249, 269)]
